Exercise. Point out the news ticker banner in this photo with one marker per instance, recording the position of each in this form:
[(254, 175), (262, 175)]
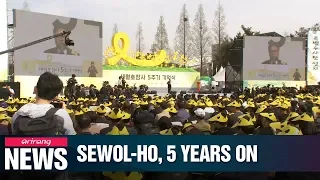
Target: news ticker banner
[(313, 76), (162, 153), (253, 83), (53, 55), (259, 52)]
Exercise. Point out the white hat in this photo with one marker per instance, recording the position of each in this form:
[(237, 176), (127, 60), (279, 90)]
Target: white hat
[(200, 112)]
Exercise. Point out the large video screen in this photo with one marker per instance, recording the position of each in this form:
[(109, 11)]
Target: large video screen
[(84, 59), (273, 58), (3, 41), (313, 76)]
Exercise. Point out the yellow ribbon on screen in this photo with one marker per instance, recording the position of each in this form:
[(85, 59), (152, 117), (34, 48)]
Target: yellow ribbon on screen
[(122, 53)]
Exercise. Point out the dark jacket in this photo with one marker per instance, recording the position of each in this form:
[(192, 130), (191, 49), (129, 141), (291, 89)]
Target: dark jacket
[(279, 62), (55, 51)]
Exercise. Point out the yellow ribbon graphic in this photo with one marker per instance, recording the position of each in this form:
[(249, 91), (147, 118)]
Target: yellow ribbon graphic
[(122, 53)]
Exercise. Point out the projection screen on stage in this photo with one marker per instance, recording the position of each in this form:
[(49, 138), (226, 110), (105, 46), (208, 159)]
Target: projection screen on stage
[(84, 59), (273, 58)]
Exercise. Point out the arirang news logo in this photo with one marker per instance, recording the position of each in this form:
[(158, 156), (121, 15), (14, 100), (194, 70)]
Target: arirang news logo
[(35, 153)]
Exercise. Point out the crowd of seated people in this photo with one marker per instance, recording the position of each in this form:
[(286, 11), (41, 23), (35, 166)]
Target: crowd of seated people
[(126, 111)]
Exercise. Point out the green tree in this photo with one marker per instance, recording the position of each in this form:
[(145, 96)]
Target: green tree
[(235, 48), (303, 31)]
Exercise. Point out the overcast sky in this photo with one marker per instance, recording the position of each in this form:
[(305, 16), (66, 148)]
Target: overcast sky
[(263, 15)]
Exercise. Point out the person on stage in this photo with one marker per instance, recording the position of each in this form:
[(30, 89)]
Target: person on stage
[(169, 85), (71, 85)]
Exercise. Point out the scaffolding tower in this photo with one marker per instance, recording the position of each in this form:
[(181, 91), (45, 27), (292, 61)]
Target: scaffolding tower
[(10, 39)]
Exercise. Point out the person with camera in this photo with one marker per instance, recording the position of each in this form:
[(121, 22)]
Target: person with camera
[(71, 85)]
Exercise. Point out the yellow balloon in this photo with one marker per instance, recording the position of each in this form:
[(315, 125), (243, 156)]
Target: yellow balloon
[(121, 53)]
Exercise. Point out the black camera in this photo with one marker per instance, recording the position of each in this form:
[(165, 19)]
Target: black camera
[(69, 42)]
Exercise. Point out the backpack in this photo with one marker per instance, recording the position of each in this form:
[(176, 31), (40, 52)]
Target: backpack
[(49, 124)]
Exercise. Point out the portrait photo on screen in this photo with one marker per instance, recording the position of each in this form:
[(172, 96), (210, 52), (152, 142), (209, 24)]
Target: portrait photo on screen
[(60, 44), (273, 58), (83, 58)]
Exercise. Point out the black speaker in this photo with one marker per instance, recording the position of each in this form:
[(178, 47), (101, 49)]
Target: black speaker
[(13, 85)]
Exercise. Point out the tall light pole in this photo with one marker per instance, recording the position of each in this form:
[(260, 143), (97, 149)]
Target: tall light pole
[(184, 40), (201, 58)]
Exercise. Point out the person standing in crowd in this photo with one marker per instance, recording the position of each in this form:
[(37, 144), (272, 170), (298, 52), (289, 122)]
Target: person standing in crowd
[(169, 85), (92, 70), (123, 82), (71, 85), (5, 92), (11, 91), (48, 88), (120, 81), (92, 92)]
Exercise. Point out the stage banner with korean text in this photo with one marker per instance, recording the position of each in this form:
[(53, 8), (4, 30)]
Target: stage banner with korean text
[(161, 153), (253, 84), (313, 76), (154, 78)]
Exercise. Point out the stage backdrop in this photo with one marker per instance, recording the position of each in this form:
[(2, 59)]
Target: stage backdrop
[(154, 80), (3, 41), (83, 59), (273, 58), (313, 76)]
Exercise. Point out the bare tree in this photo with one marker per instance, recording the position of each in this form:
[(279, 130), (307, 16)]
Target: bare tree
[(201, 38), (115, 29), (25, 6), (183, 38), (139, 38), (161, 41), (219, 35)]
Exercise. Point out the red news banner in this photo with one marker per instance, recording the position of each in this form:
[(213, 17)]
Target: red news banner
[(32, 153)]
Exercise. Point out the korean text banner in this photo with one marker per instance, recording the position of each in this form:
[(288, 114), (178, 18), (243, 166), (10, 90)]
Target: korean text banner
[(3, 42), (53, 55), (154, 78), (162, 153), (313, 76), (254, 84), (273, 58)]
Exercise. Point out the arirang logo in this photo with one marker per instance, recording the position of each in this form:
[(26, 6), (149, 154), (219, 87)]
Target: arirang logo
[(35, 153)]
